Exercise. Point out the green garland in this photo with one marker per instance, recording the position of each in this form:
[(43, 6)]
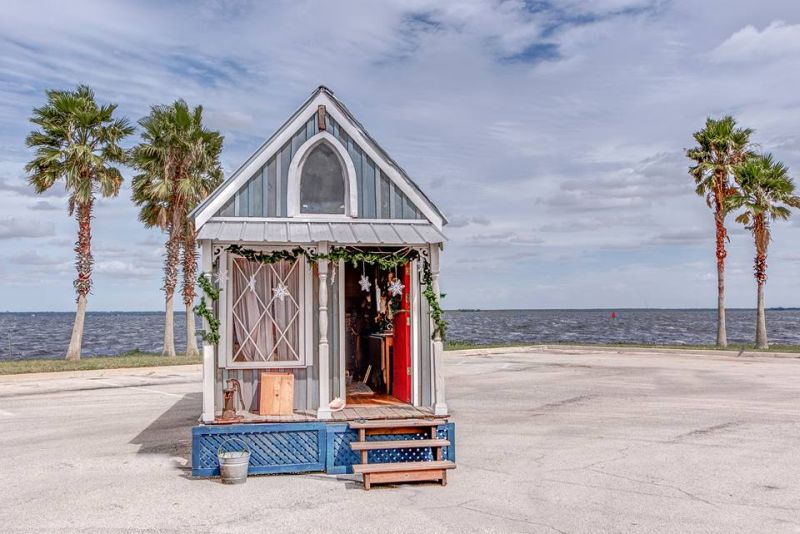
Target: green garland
[(437, 314), (384, 261), (212, 334)]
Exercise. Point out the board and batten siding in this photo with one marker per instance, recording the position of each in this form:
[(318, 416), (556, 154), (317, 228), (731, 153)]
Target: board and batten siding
[(264, 194)]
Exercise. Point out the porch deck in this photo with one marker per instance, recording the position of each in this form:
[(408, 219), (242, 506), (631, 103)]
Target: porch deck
[(353, 412)]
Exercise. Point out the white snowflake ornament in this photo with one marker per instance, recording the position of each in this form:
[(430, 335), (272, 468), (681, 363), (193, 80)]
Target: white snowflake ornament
[(251, 283), (280, 292), (364, 283), (220, 277), (396, 287)]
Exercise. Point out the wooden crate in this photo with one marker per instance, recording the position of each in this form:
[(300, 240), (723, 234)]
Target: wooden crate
[(276, 393)]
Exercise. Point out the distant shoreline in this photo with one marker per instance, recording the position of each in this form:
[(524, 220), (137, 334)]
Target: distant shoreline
[(139, 359)]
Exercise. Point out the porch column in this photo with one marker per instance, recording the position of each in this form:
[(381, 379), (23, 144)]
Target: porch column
[(324, 411), (439, 406), (209, 369)]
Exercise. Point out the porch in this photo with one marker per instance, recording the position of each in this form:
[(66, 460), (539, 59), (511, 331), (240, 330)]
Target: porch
[(352, 412)]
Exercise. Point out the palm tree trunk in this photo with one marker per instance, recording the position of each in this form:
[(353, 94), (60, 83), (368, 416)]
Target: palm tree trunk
[(76, 341), (83, 283), (761, 319), (169, 328), (170, 281), (189, 275), (191, 333), (722, 334)]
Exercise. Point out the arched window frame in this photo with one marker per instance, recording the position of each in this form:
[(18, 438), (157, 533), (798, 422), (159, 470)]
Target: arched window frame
[(296, 172)]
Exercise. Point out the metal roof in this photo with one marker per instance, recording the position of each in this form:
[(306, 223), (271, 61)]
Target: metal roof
[(355, 232)]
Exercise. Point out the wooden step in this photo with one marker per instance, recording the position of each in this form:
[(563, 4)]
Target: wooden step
[(404, 472), (397, 444), (396, 423), (395, 467)]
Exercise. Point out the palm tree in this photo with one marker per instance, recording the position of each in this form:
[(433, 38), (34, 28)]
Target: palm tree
[(178, 164), (721, 145), (77, 141), (196, 186), (766, 193)]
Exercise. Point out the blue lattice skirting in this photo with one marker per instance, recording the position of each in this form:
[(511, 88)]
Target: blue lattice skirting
[(303, 447)]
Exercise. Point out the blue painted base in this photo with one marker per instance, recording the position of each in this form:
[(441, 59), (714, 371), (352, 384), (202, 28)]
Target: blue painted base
[(303, 447)]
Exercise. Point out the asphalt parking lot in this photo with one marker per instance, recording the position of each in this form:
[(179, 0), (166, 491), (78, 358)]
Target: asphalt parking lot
[(548, 440)]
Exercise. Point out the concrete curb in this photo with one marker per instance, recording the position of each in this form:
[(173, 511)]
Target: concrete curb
[(622, 350), (100, 373)]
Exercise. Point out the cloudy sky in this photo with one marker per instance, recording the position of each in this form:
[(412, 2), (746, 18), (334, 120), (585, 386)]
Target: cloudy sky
[(551, 133)]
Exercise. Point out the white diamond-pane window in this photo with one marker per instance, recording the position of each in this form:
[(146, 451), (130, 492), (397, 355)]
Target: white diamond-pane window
[(267, 312), (322, 182)]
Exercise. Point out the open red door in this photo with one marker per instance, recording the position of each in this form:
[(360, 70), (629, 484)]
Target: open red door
[(401, 365)]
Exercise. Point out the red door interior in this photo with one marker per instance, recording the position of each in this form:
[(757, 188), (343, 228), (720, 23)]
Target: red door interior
[(401, 364)]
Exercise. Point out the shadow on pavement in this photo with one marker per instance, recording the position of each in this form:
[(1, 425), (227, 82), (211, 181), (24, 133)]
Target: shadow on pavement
[(170, 434)]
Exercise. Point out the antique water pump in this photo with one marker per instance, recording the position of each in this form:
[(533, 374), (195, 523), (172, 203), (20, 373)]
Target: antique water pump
[(230, 393)]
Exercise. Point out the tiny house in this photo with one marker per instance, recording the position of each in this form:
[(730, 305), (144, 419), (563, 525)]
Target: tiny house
[(322, 326)]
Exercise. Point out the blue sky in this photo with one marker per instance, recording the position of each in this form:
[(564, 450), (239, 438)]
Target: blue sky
[(551, 133)]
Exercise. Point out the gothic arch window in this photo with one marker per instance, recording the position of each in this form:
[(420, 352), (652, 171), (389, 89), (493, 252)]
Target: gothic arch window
[(322, 182)]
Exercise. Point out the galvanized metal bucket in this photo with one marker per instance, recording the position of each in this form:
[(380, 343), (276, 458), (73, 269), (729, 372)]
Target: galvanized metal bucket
[(233, 464)]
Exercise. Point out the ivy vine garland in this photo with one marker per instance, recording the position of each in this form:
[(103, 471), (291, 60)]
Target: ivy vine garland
[(384, 261), (212, 334)]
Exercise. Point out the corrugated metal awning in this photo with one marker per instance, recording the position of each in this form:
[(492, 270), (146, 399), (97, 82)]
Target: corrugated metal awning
[(341, 233)]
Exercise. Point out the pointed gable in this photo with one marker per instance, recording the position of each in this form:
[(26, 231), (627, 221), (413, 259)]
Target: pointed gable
[(267, 185)]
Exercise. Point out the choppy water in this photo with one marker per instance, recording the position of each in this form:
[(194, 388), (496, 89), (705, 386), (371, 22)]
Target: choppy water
[(46, 335), (687, 327)]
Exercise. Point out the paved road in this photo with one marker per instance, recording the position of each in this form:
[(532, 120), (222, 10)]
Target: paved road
[(548, 441)]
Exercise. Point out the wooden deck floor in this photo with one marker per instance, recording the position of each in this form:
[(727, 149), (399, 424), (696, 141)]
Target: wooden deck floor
[(352, 412)]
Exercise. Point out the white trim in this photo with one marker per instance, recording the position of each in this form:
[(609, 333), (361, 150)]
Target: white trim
[(342, 334), (324, 409), (439, 402), (224, 310), (244, 173), (307, 217), (209, 369), (415, 312), (296, 169), (304, 336), (389, 170)]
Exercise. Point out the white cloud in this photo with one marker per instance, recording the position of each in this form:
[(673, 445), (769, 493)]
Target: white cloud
[(16, 228), (553, 132), (124, 269), (777, 40), (43, 205)]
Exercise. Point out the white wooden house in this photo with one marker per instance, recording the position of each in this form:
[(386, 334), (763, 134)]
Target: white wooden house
[(322, 249)]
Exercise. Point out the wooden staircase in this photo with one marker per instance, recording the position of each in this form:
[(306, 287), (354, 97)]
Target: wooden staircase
[(386, 473)]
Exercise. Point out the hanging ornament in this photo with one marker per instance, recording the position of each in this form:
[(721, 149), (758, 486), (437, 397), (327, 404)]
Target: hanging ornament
[(364, 282), (221, 278), (251, 284), (280, 292), (333, 273), (396, 287)]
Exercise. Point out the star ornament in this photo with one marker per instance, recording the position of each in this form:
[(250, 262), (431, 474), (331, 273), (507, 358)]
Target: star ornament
[(396, 288), (281, 292), (364, 283)]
